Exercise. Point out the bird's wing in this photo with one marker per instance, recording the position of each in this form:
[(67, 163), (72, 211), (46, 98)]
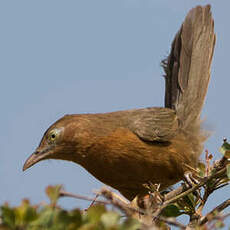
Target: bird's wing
[(154, 124)]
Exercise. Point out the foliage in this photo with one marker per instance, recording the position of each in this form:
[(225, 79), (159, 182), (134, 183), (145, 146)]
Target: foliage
[(52, 217)]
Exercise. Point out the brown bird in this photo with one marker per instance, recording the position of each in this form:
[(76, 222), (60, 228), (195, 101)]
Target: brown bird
[(127, 149)]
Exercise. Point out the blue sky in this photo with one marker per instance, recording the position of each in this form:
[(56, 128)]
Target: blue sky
[(63, 57)]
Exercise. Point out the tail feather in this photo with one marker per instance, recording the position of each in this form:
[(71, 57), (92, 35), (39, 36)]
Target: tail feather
[(187, 67)]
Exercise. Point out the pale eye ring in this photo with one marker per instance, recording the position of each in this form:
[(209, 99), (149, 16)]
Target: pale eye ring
[(54, 135)]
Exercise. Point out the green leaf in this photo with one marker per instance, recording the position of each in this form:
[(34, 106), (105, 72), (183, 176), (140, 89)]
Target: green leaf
[(225, 149), (65, 220), (94, 213), (53, 192), (110, 219), (187, 203), (219, 224), (75, 219), (228, 171), (45, 219), (172, 211), (192, 198), (25, 213), (130, 224), (8, 216), (201, 168), (190, 203)]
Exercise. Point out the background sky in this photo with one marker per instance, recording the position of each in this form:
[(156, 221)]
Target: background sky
[(64, 57)]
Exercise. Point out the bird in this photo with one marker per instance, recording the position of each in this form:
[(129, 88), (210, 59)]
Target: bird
[(127, 149)]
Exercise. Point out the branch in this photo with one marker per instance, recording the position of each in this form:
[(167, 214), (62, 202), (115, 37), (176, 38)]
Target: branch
[(211, 215), (170, 199), (68, 194), (115, 200)]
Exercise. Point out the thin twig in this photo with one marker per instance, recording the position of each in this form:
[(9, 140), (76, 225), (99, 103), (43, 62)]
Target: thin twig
[(68, 194), (93, 202), (213, 213), (221, 186), (218, 165), (172, 221), (185, 193)]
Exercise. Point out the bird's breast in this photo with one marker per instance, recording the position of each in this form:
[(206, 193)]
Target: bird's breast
[(122, 160)]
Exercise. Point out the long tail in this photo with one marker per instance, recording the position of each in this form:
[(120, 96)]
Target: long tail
[(187, 69)]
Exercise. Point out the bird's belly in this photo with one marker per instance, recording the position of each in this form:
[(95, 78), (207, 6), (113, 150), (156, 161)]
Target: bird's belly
[(128, 163)]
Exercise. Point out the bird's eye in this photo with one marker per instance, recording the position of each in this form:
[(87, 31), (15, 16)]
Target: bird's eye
[(54, 135)]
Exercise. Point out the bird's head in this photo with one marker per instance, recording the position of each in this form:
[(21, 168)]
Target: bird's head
[(60, 141)]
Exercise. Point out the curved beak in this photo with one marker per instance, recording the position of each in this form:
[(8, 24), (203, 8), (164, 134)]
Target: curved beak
[(35, 157)]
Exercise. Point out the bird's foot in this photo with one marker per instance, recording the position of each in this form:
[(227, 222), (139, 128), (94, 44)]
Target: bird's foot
[(190, 181)]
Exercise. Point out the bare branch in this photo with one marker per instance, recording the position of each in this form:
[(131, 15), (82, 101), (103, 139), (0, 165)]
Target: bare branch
[(214, 212), (80, 197)]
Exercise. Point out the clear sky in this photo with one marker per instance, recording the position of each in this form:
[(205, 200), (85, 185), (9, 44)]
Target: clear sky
[(64, 57)]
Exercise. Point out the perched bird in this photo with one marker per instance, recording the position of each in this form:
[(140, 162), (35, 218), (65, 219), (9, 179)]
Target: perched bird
[(127, 149)]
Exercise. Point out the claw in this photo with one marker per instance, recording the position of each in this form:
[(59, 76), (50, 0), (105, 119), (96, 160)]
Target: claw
[(190, 181)]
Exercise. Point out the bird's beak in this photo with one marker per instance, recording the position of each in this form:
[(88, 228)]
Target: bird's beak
[(35, 157)]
